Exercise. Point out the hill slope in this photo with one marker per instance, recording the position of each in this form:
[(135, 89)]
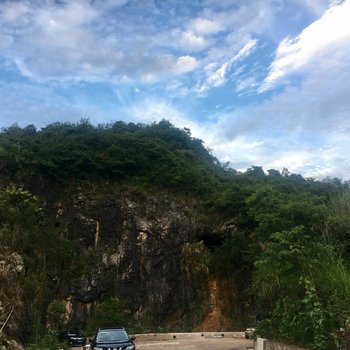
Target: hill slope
[(140, 219)]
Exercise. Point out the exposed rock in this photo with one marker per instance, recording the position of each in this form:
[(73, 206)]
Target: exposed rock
[(133, 243), (11, 264), (12, 344), (136, 250), (11, 305)]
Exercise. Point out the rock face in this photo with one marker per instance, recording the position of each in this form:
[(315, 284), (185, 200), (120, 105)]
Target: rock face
[(146, 248), (135, 244), (11, 304)]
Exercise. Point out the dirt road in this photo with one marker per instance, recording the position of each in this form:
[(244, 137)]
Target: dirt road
[(194, 344)]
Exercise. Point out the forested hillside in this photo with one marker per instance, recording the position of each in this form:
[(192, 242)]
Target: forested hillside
[(101, 214), (159, 154)]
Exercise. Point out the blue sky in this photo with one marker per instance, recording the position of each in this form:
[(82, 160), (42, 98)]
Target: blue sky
[(262, 82)]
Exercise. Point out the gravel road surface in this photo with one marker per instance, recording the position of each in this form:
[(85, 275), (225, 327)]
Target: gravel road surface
[(194, 344)]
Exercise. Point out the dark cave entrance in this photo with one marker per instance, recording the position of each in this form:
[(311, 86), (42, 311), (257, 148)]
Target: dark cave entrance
[(211, 240)]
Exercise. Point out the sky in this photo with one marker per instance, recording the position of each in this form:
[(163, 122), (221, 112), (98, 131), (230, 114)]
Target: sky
[(261, 82)]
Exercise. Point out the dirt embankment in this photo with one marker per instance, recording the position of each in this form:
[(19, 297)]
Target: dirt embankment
[(215, 320)]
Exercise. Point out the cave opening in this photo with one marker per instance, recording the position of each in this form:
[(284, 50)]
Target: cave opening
[(211, 240)]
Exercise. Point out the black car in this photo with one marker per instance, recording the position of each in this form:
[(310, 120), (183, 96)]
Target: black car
[(73, 338), (112, 338)]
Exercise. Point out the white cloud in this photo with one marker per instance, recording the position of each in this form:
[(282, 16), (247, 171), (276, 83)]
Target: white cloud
[(81, 40), (117, 40), (191, 42), (14, 11), (323, 37), (185, 64), (302, 128), (246, 84), (205, 26), (246, 49), (251, 136), (244, 16), (152, 110), (165, 66), (240, 152), (217, 76)]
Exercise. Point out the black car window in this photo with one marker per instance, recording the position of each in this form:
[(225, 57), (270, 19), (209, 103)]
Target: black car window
[(111, 335)]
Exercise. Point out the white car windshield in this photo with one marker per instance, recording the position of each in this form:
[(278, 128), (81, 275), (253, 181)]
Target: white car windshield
[(111, 335)]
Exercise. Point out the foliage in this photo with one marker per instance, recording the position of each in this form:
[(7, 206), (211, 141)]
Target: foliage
[(229, 259), (111, 312), (276, 209), (338, 215), (196, 267), (288, 255), (304, 284), (56, 314), (159, 154), (306, 321), (47, 254), (196, 258), (194, 316), (19, 213), (48, 342)]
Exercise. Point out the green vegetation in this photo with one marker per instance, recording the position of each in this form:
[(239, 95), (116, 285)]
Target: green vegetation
[(56, 314), (158, 154), (47, 254), (287, 249), (110, 312), (48, 342), (308, 284)]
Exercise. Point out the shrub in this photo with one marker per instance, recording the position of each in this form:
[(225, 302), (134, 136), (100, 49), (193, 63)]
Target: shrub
[(56, 315), (111, 312), (48, 342)]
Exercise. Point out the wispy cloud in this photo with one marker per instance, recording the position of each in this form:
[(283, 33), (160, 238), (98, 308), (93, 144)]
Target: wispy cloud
[(315, 43), (123, 41), (217, 76), (81, 40)]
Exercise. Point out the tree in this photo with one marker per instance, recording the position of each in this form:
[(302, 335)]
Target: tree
[(56, 315), (256, 171), (304, 290), (111, 312), (20, 213)]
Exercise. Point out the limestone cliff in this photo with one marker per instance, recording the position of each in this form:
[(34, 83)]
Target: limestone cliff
[(134, 241), (147, 247)]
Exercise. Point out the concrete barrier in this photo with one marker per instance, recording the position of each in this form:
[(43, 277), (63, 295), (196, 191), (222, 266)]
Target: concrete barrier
[(195, 335), (264, 344), (270, 345), (259, 344)]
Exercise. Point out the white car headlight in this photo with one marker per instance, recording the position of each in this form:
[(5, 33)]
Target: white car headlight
[(130, 347)]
